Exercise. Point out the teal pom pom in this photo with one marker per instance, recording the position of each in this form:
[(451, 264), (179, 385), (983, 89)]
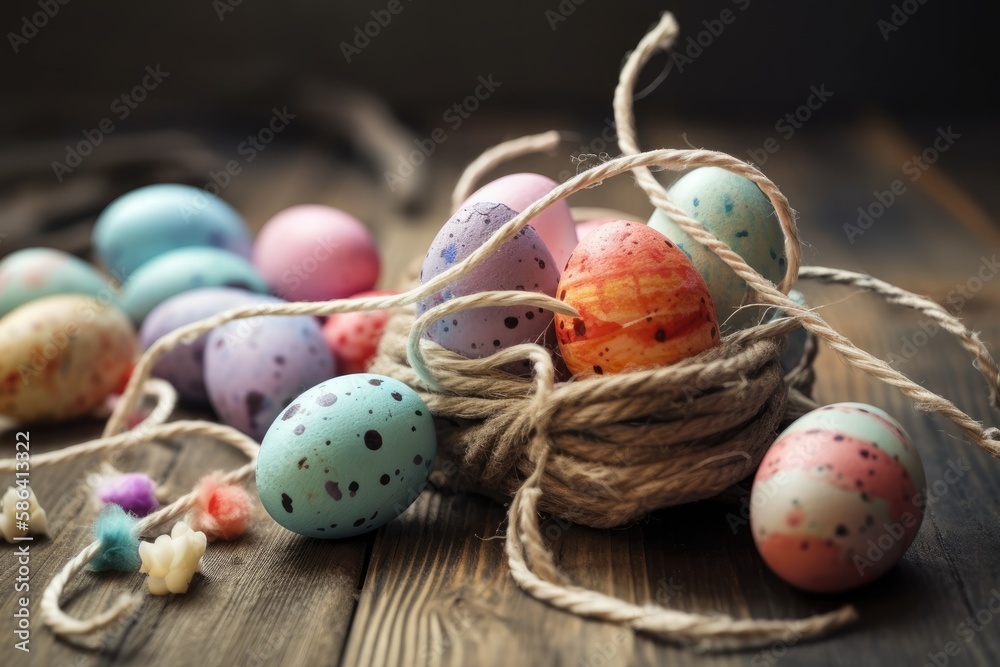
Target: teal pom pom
[(116, 530)]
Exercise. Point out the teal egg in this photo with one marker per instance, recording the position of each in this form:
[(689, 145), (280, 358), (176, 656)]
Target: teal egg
[(182, 270), (346, 456), (34, 273), (796, 338), (735, 210), (147, 222)]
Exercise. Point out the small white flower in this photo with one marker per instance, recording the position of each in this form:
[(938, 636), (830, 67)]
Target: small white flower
[(12, 520), (172, 560)]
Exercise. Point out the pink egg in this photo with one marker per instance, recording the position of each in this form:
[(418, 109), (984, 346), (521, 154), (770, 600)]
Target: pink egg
[(316, 253), (554, 225), (838, 498), (354, 337)]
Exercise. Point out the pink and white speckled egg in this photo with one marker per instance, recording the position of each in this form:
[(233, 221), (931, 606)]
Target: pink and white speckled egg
[(254, 367), (354, 337), (523, 263), (316, 253), (554, 225), (838, 499)]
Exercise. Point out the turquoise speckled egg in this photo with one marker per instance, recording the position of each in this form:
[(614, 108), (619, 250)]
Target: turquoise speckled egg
[(179, 271), (155, 219), (346, 456), (739, 214), (838, 498), (32, 273)]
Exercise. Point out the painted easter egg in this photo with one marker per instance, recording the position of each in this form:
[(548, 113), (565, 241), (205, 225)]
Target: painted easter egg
[(32, 273), (346, 456), (641, 302), (796, 338), (155, 219), (62, 356), (353, 337), (555, 225), (838, 498), (316, 253), (184, 366), (739, 214), (254, 367), (523, 263), (183, 270)]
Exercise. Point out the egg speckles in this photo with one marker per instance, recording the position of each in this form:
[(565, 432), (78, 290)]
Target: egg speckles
[(346, 456), (523, 263), (739, 214), (641, 302), (838, 498)]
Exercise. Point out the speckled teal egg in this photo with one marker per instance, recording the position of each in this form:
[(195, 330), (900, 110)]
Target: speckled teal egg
[(346, 456), (33, 273), (838, 498), (182, 270), (738, 213)]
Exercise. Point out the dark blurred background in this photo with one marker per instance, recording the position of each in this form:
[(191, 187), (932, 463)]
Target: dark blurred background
[(740, 66)]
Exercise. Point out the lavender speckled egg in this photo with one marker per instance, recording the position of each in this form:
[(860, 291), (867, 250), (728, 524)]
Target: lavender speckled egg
[(155, 219), (555, 225), (183, 366), (346, 456), (523, 263), (180, 271), (256, 366), (738, 213), (33, 273), (838, 499), (316, 253)]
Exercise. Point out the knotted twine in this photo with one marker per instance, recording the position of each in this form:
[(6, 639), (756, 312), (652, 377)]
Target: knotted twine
[(477, 391)]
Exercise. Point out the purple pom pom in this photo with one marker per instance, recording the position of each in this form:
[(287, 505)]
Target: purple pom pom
[(135, 492)]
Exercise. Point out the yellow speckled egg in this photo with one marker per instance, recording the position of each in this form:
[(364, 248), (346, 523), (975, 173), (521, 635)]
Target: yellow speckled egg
[(641, 302), (62, 356)]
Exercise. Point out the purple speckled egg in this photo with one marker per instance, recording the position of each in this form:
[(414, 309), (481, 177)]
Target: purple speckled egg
[(256, 366), (554, 225), (183, 366), (523, 263)]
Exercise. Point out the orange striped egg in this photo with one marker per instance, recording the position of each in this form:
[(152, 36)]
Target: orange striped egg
[(641, 302)]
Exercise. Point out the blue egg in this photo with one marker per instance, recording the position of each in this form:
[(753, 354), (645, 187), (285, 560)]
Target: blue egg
[(256, 366), (155, 219), (34, 273), (183, 270), (735, 210), (796, 338), (346, 456)]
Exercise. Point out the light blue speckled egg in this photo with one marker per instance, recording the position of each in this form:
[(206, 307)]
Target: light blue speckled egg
[(739, 214), (155, 219), (182, 270), (797, 338), (183, 366), (346, 456), (256, 366), (32, 273)]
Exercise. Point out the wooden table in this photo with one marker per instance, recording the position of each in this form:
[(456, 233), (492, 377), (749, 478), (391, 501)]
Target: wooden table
[(432, 586)]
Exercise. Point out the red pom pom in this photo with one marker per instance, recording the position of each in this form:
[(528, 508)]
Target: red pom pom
[(221, 510)]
